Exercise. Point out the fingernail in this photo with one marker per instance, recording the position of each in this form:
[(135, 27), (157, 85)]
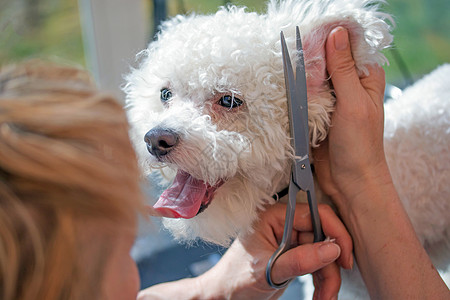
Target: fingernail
[(329, 252), (340, 38)]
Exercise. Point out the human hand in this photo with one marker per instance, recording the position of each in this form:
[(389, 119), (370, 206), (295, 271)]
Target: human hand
[(241, 272), (353, 151), (351, 167)]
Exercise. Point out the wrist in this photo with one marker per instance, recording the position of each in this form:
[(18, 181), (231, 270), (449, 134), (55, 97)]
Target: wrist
[(373, 198), (372, 207), (356, 194), (365, 208)]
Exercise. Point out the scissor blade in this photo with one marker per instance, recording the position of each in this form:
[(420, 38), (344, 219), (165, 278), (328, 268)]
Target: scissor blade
[(295, 111), (300, 78)]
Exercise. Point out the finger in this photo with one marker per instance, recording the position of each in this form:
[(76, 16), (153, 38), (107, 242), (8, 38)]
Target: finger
[(335, 229), (332, 228), (346, 82), (306, 237), (303, 260), (277, 215), (331, 225), (375, 83), (341, 66), (273, 219), (316, 284), (327, 282)]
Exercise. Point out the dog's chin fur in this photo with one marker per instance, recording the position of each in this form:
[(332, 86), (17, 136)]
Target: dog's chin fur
[(234, 52)]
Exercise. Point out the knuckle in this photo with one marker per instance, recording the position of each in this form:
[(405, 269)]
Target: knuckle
[(344, 65)]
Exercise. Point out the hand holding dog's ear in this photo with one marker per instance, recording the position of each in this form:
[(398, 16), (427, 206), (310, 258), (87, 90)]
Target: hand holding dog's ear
[(354, 147), (351, 167)]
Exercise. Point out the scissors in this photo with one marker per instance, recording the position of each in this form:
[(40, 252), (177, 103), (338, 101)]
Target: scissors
[(301, 175)]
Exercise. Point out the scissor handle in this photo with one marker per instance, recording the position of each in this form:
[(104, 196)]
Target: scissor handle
[(285, 244), (319, 236)]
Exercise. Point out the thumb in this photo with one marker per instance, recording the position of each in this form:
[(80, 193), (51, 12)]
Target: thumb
[(340, 63), (321, 162), (304, 259)]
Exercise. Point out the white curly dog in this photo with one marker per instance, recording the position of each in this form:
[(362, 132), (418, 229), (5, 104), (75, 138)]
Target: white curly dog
[(208, 111)]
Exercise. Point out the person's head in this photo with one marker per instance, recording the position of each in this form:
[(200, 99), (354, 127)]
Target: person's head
[(69, 188)]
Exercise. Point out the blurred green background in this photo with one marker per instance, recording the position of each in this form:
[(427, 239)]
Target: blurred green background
[(51, 28)]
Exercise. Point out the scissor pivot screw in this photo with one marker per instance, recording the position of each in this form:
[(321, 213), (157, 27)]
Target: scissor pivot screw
[(303, 166)]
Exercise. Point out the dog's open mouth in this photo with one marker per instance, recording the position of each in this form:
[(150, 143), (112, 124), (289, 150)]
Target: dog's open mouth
[(186, 197)]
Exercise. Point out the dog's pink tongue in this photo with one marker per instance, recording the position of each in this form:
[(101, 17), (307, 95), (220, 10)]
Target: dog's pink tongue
[(183, 198)]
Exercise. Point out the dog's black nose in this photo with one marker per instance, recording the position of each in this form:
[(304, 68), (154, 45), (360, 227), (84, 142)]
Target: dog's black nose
[(160, 141)]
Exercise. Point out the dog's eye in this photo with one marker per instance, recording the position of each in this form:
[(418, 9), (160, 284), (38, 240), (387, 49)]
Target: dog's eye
[(166, 94), (229, 101)]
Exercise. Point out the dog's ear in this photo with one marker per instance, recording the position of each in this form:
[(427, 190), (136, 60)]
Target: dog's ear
[(368, 27), (369, 34)]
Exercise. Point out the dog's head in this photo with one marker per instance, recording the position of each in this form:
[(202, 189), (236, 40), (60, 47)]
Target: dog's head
[(208, 102)]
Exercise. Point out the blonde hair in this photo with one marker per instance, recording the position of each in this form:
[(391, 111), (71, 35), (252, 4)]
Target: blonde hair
[(65, 159)]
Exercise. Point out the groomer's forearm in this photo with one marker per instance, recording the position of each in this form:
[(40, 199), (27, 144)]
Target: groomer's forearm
[(231, 278), (385, 245), (213, 284), (188, 288)]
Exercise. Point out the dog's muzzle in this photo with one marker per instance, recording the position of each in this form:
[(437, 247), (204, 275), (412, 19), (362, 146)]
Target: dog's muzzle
[(161, 141)]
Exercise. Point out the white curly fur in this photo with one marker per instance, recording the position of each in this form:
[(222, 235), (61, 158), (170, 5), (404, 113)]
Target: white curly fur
[(201, 58)]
